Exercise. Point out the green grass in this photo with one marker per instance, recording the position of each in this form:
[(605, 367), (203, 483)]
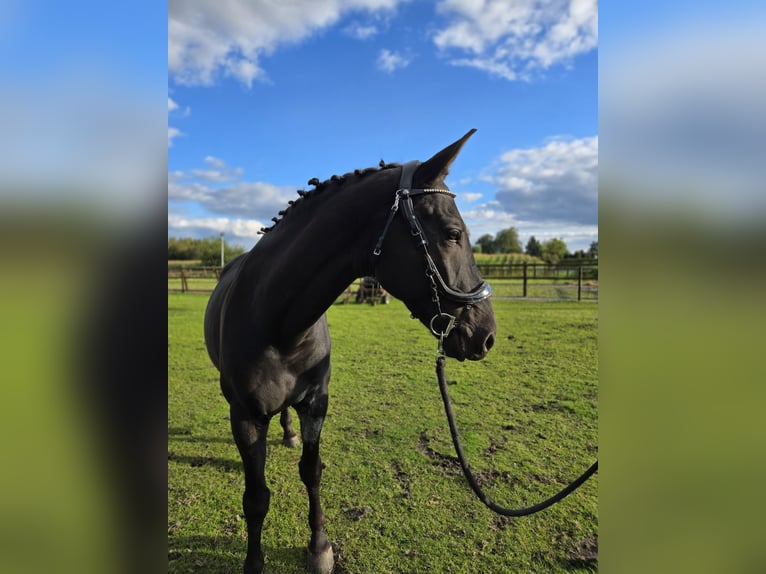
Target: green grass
[(394, 497)]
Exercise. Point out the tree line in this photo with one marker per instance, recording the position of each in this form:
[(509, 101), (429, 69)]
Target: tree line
[(206, 251), (551, 251)]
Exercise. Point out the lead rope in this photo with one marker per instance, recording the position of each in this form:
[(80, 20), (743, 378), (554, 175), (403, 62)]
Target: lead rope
[(440, 360)]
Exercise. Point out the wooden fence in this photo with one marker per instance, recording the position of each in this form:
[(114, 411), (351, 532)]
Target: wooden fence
[(192, 279), (533, 276), (511, 280)]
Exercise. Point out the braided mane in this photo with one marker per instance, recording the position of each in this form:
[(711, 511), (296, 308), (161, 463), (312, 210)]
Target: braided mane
[(319, 186)]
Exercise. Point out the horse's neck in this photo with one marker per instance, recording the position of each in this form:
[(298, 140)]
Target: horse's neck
[(307, 261)]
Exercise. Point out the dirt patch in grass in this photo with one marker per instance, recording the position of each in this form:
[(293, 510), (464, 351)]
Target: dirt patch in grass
[(402, 478), (584, 554), (356, 513), (450, 463)]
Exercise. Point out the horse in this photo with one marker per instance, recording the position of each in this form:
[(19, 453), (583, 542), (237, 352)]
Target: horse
[(265, 327)]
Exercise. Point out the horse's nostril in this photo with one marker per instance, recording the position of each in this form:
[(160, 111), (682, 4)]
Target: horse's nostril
[(488, 344)]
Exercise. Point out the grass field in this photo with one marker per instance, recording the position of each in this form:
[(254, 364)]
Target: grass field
[(392, 491)]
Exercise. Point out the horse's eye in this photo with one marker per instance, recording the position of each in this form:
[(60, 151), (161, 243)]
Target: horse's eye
[(454, 235)]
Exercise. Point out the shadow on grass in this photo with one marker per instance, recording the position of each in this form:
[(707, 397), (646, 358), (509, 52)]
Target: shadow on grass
[(225, 464), (205, 554), (225, 555), (185, 435), (201, 439)]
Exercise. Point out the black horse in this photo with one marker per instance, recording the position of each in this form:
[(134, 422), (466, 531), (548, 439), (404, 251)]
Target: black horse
[(265, 325)]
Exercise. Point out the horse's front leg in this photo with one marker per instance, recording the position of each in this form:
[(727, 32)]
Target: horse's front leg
[(251, 443), (312, 414)]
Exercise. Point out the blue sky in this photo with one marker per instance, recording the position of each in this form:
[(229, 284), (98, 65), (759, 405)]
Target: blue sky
[(264, 96)]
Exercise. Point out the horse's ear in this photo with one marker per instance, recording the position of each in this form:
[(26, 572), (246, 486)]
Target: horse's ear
[(437, 167)]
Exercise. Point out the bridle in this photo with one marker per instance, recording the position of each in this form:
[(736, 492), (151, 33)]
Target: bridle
[(403, 198)]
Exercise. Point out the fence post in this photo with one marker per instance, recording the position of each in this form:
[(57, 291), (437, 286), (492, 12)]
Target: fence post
[(184, 284), (579, 282), (525, 280)]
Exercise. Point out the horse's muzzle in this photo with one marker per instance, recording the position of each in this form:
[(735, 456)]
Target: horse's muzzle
[(472, 344)]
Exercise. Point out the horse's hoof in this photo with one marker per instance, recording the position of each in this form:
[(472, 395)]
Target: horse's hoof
[(321, 563), (291, 441)]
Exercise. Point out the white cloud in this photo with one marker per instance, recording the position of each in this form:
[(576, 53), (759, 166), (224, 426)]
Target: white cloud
[(470, 197), (486, 219), (173, 133), (557, 182), (251, 199), (210, 37), (242, 232), (360, 31), (217, 171), (243, 69), (389, 61), (215, 162), (173, 106), (256, 200), (514, 40)]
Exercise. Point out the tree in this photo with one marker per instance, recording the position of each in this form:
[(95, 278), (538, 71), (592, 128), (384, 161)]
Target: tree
[(579, 254), (554, 250), (210, 251), (487, 243), (593, 251), (507, 241), (184, 248), (534, 248)]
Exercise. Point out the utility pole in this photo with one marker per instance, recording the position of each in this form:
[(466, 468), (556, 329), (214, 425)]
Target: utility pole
[(221, 249)]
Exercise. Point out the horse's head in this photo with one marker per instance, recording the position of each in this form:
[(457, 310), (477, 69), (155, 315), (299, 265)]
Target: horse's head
[(424, 258)]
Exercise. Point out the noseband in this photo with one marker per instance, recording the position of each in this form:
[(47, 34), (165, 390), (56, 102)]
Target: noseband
[(439, 286)]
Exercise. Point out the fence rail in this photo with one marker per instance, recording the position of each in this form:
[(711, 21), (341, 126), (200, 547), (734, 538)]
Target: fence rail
[(527, 280), (584, 276)]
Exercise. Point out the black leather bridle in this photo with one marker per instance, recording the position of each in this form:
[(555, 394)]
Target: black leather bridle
[(403, 197)]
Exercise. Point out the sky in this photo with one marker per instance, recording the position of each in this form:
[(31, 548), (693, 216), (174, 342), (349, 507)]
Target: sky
[(263, 96)]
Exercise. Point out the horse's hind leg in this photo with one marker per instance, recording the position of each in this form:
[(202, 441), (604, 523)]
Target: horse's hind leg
[(320, 557), (251, 442), (289, 438)]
